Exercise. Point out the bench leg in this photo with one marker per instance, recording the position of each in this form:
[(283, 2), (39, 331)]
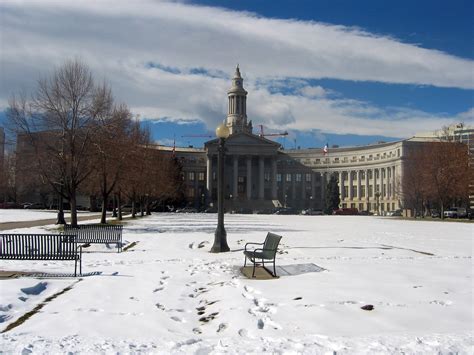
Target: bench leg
[(253, 272), (274, 269), (75, 268)]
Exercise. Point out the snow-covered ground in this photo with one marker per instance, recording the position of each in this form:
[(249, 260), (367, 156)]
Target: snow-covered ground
[(21, 215), (168, 294)]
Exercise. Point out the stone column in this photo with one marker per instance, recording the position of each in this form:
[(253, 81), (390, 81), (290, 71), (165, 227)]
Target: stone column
[(235, 191), (388, 172), (293, 188), (341, 185), (261, 177), (323, 189), (303, 186), (274, 179), (394, 184), (349, 188), (359, 182), (249, 177), (209, 176), (367, 186)]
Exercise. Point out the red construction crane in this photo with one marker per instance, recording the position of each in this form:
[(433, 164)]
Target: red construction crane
[(271, 134), (197, 135)]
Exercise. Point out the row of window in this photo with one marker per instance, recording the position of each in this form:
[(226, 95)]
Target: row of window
[(371, 207), (353, 159), (191, 176)]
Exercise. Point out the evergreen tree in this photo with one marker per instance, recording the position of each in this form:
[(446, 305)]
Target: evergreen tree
[(332, 195)]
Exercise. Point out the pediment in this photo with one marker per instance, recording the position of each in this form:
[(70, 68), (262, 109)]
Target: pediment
[(246, 139), (245, 144)]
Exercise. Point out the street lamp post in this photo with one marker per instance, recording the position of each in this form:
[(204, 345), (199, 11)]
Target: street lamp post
[(220, 236)]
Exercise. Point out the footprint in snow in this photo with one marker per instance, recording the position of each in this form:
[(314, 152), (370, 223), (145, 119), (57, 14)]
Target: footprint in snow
[(222, 327), (177, 319), (35, 290)]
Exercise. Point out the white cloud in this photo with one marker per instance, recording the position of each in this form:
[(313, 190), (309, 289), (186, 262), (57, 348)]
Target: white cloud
[(119, 39)]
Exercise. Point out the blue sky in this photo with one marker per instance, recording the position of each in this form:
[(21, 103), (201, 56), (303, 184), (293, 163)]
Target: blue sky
[(342, 72)]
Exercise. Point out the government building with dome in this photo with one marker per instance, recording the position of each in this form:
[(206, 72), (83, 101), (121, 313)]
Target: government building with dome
[(260, 174)]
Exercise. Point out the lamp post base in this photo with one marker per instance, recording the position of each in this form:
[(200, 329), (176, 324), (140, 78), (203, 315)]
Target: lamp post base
[(220, 241)]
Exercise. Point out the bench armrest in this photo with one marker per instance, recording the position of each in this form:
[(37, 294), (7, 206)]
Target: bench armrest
[(245, 248)]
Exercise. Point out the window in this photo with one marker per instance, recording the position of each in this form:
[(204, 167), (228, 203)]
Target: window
[(354, 191), (346, 190), (353, 205), (317, 161), (371, 191), (191, 191), (278, 177), (214, 176), (362, 174), (288, 177), (362, 191), (266, 177), (308, 177), (201, 176), (240, 179), (336, 160), (191, 176), (369, 173), (298, 177)]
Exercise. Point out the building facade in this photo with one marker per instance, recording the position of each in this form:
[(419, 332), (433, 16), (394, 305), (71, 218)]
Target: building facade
[(260, 174)]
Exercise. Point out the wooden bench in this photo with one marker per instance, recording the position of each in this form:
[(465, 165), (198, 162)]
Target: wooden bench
[(41, 247), (266, 252), (97, 234)]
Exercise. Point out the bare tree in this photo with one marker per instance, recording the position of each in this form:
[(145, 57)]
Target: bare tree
[(435, 173), (112, 145), (57, 122)]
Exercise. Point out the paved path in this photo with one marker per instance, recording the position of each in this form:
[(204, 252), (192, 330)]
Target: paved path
[(43, 222)]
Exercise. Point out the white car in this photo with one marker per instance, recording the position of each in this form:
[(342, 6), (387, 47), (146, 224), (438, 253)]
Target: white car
[(455, 212)]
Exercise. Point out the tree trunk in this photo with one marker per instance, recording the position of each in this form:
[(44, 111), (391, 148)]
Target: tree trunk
[(103, 217), (141, 208), (133, 209), (114, 206), (72, 201), (119, 205)]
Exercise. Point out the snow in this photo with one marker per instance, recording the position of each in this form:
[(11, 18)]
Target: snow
[(168, 294), (20, 215)]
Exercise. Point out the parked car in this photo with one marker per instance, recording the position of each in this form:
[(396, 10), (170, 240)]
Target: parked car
[(35, 206), (312, 212), (366, 213), (243, 210), (265, 211), (455, 212), (211, 210), (346, 211), (187, 210), (9, 205), (395, 213), (435, 214), (286, 210)]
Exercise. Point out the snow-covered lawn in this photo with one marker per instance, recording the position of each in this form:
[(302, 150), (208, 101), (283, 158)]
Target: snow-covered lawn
[(168, 294), (21, 215)]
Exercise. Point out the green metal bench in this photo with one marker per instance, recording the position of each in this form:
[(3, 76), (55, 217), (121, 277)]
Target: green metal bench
[(266, 252), (41, 247), (97, 234)]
